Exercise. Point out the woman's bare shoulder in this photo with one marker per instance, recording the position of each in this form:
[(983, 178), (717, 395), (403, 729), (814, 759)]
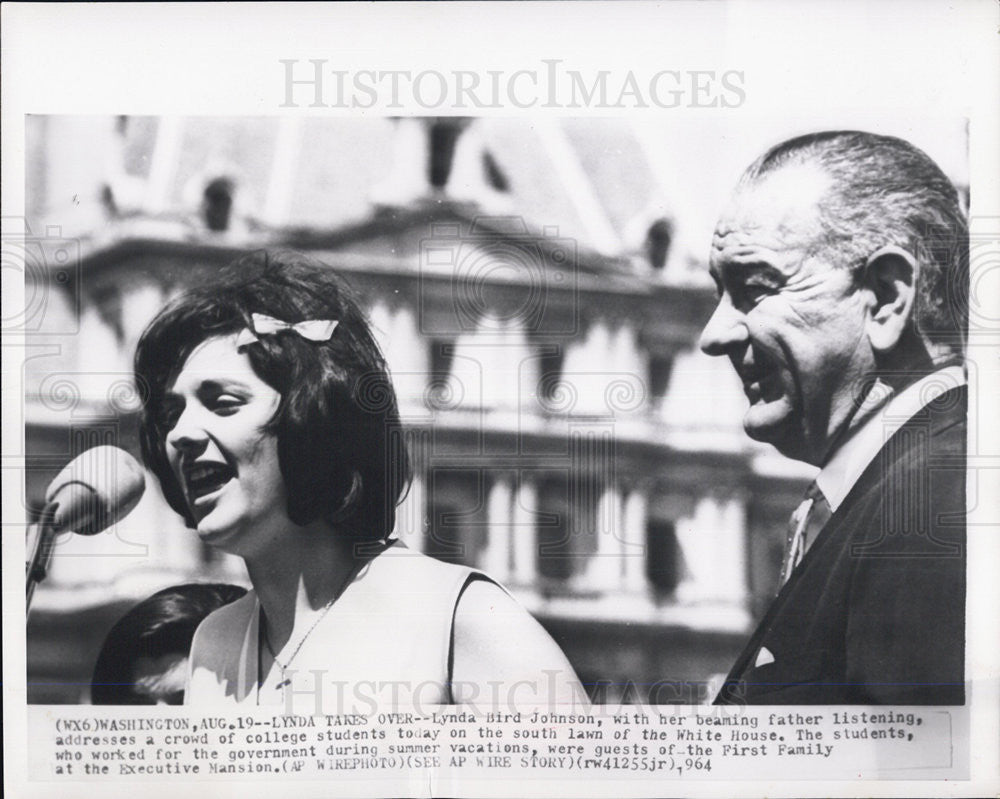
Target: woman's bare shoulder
[(498, 641), (228, 622)]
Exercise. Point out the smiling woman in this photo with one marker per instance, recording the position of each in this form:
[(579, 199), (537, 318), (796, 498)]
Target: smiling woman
[(225, 464), (271, 424)]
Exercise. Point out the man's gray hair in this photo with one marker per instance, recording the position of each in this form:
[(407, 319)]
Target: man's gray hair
[(886, 191)]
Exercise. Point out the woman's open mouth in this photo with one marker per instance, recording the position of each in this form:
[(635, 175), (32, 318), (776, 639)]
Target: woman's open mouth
[(203, 480)]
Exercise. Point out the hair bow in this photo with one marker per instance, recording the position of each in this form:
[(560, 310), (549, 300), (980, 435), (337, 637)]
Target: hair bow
[(264, 325)]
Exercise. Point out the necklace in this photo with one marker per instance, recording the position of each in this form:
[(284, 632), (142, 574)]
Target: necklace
[(285, 680), (262, 628)]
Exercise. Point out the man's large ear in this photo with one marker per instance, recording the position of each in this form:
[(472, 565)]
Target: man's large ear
[(891, 276)]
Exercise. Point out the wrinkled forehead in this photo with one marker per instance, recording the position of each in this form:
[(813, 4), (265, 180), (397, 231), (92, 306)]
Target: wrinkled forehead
[(779, 211)]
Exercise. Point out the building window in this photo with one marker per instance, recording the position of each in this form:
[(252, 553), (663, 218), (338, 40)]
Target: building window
[(550, 364), (553, 530), (663, 557), (217, 204), (444, 133), (659, 377), (456, 506), (566, 527), (656, 247), (442, 353)]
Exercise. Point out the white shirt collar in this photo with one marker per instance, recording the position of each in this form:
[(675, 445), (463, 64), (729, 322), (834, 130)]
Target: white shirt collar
[(850, 460)]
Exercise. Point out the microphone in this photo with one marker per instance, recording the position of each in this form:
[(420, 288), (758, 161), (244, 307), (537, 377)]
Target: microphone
[(94, 490)]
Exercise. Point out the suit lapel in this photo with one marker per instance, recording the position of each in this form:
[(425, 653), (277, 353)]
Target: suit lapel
[(776, 645)]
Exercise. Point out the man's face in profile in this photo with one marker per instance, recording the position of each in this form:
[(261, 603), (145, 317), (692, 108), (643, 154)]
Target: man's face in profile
[(790, 317)]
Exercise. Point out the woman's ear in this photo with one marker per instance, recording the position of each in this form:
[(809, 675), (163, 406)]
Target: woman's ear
[(890, 275)]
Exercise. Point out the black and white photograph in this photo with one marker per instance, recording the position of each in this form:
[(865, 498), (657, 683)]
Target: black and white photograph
[(558, 422)]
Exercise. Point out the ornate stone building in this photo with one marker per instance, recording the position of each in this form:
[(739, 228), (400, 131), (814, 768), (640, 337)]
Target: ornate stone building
[(540, 315)]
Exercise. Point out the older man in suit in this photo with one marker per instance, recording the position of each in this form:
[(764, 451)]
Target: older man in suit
[(842, 273)]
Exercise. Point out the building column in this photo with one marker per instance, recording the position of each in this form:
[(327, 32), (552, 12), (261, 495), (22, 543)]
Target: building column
[(629, 393), (466, 376), (407, 178), (102, 351), (408, 360), (281, 181), (698, 381), (516, 353), (695, 536), (138, 308), (730, 573), (410, 516), (604, 569), (525, 538), (163, 168), (395, 330), (713, 541), (634, 553), (585, 371), (497, 556)]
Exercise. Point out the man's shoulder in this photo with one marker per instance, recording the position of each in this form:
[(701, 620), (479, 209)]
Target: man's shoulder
[(932, 440), (943, 415), (910, 501)]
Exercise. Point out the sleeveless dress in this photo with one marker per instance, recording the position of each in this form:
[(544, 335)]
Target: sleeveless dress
[(386, 641)]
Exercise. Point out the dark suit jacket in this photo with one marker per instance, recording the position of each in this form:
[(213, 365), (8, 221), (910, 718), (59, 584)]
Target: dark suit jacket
[(875, 612)]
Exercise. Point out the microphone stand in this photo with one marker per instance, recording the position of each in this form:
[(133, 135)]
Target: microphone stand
[(41, 537)]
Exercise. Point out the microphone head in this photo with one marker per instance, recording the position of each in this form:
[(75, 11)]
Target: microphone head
[(95, 489)]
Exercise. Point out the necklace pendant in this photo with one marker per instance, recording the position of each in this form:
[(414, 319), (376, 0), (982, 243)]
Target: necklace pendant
[(283, 683)]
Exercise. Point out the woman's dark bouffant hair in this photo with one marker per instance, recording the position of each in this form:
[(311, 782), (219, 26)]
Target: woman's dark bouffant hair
[(337, 423)]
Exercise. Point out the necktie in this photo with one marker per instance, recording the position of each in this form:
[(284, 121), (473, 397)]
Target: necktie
[(803, 526)]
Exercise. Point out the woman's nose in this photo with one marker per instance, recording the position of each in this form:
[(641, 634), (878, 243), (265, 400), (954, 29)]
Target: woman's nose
[(187, 435), (726, 327)]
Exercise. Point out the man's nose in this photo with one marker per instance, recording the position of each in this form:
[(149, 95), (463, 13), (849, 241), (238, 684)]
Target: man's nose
[(726, 327)]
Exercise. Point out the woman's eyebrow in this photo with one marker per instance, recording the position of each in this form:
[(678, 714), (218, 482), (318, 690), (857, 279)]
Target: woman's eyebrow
[(209, 387), (223, 384)]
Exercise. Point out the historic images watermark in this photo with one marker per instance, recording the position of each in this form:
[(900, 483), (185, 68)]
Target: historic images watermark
[(323, 83)]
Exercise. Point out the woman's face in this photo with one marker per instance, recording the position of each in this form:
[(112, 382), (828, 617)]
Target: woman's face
[(225, 463)]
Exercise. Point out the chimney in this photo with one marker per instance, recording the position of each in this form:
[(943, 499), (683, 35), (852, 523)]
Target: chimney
[(440, 158)]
